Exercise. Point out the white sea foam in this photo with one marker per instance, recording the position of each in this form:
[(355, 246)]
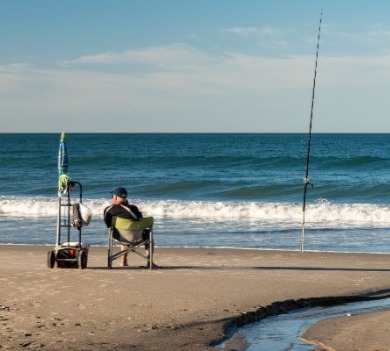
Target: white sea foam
[(347, 215)]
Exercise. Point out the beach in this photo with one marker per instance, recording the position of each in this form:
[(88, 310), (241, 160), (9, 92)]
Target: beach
[(192, 301), (365, 332)]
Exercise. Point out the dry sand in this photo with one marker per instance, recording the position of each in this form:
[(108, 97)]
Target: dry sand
[(185, 305)]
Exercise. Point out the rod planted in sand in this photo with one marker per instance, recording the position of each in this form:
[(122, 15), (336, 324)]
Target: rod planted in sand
[(306, 181)]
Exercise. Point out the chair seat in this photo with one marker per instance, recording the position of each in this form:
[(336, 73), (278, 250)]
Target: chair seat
[(130, 233), (132, 224), (131, 230)]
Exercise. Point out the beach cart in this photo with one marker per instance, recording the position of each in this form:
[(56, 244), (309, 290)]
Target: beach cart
[(72, 216)]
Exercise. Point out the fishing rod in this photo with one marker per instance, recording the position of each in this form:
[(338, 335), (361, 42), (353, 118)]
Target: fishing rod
[(306, 179)]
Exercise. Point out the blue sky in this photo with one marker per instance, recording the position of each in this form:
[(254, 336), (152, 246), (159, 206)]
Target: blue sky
[(194, 66)]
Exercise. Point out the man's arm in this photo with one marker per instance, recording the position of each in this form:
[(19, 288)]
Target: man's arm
[(107, 216)]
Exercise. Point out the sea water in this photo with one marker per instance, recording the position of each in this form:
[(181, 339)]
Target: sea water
[(283, 332), (207, 190)]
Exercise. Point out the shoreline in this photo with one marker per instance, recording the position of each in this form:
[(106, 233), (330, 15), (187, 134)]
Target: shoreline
[(188, 304), (219, 248)]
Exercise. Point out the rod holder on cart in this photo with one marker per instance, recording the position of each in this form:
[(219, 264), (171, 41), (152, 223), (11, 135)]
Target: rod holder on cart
[(69, 254)]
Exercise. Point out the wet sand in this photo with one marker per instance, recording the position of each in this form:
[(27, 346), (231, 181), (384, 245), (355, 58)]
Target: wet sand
[(190, 302), (364, 332)]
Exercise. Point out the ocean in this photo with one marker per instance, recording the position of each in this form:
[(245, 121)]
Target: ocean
[(207, 190)]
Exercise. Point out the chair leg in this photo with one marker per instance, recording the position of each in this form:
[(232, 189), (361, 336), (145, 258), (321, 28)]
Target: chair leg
[(111, 257), (151, 248), (109, 254)]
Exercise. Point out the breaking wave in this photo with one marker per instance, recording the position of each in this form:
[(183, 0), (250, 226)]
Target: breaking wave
[(280, 214)]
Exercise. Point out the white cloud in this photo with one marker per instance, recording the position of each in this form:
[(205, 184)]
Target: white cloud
[(253, 31), (161, 56), (370, 41), (190, 90)]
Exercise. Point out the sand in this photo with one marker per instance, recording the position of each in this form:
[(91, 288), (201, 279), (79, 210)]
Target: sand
[(364, 332), (189, 303)]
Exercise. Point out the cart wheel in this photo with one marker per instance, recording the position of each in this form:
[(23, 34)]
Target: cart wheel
[(82, 260), (51, 259)]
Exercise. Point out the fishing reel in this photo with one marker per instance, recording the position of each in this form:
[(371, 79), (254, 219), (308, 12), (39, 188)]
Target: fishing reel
[(306, 182)]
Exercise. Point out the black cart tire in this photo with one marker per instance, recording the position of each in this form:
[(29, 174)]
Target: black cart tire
[(51, 259), (82, 260)]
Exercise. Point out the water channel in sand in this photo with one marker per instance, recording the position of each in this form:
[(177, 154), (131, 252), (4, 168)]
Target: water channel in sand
[(282, 332)]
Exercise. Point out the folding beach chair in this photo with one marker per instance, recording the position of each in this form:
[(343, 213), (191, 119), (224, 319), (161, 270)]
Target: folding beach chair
[(132, 233)]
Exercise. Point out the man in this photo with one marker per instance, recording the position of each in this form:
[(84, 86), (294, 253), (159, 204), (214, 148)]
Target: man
[(122, 209)]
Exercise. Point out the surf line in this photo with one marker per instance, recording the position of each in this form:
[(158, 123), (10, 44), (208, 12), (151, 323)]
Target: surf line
[(306, 181)]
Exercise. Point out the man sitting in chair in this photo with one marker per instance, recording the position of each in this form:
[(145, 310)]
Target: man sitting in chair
[(122, 209)]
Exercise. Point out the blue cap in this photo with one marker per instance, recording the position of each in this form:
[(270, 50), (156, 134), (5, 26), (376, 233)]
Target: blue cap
[(120, 192)]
